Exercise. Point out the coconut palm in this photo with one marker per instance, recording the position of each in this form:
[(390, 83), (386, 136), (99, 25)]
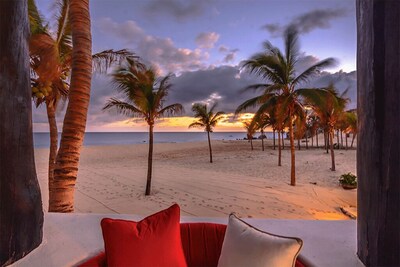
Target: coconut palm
[(329, 108), (207, 119), (263, 121), (50, 60), (145, 97), (282, 82), (250, 131), (351, 118), (67, 160)]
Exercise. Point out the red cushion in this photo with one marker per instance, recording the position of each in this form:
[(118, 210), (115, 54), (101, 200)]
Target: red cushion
[(154, 241), (202, 243)]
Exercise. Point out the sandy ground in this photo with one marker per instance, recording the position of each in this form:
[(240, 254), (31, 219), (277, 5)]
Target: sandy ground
[(112, 179)]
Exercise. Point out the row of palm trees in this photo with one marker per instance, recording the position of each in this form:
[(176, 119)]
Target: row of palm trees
[(283, 101), (280, 105)]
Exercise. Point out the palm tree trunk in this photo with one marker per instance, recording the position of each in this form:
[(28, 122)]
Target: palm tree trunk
[(326, 137), (352, 140), (209, 146), (298, 144), (337, 138), (21, 214), (51, 116), (347, 146), (262, 139), (61, 199), (292, 155), (306, 141), (341, 139), (251, 142), (316, 138), (149, 161), (312, 140), (279, 150), (283, 141), (331, 134), (273, 132)]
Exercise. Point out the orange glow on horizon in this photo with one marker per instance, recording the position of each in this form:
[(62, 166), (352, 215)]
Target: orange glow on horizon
[(229, 123)]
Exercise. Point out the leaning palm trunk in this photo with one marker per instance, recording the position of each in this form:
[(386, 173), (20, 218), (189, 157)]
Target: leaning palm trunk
[(51, 116), (209, 146), (331, 135), (61, 197), (292, 155), (150, 160), (352, 140)]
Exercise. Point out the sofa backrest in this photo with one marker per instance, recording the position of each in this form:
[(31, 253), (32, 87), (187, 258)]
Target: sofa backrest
[(202, 243)]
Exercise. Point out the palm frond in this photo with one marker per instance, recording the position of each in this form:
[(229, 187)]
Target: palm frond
[(173, 109), (250, 103), (36, 21), (196, 125), (124, 108), (313, 70), (291, 47), (103, 60)]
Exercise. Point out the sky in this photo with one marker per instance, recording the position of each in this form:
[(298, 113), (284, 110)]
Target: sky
[(202, 43)]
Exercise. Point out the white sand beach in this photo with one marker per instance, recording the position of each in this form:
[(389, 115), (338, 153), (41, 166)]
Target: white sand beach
[(112, 179)]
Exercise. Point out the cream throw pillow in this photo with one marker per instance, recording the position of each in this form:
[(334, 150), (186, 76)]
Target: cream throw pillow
[(245, 245)]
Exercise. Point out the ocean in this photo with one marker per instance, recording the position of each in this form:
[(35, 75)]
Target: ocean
[(118, 138)]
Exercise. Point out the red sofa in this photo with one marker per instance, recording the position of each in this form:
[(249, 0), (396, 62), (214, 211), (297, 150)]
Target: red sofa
[(202, 243)]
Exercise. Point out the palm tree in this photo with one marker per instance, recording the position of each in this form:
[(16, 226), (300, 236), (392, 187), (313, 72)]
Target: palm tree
[(206, 119), (351, 118), (67, 160), (145, 97), (279, 71), (50, 60), (262, 122), (329, 108), (250, 131)]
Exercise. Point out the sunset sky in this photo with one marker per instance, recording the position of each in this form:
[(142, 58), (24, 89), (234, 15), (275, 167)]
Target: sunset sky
[(203, 43)]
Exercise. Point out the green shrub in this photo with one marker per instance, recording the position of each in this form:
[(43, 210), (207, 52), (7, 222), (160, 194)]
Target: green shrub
[(348, 179)]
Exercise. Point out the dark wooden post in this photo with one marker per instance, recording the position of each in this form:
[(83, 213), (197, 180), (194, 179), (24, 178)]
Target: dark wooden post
[(378, 147), (21, 215)]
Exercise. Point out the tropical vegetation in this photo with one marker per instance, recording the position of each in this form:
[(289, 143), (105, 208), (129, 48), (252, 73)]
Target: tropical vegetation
[(282, 84), (207, 119), (145, 95)]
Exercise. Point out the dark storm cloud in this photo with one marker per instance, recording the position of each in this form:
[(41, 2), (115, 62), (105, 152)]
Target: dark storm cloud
[(178, 9), (221, 83), (316, 19)]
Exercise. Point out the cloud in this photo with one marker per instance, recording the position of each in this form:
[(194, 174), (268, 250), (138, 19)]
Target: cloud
[(223, 49), (222, 84), (230, 54), (179, 9), (305, 23), (207, 39), (161, 52)]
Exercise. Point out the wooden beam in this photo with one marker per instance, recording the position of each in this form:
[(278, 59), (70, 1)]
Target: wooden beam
[(378, 147), (21, 215)]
